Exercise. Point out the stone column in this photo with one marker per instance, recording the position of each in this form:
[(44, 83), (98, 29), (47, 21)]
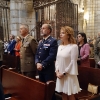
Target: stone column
[(21, 12), (14, 17), (80, 21), (97, 17), (92, 8), (80, 13)]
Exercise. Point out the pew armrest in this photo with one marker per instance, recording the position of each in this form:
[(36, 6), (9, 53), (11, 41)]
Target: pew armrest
[(50, 89)]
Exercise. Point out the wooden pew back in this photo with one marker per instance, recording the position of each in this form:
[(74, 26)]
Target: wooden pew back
[(88, 75), (92, 62), (24, 88), (10, 61)]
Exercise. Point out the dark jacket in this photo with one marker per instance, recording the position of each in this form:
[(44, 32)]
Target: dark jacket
[(46, 55), (27, 54), (11, 47)]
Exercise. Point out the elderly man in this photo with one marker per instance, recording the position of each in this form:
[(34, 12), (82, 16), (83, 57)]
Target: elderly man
[(46, 55), (27, 52)]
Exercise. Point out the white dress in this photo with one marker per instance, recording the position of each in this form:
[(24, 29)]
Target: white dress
[(66, 61)]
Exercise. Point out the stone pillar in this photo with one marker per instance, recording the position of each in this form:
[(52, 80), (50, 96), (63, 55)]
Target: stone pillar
[(89, 12), (21, 12), (80, 13), (97, 18), (92, 8), (80, 21)]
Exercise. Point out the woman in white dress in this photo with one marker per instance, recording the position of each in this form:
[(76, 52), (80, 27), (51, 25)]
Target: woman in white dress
[(66, 65)]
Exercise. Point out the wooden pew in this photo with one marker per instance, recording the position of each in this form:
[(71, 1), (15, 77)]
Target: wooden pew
[(92, 62), (10, 61), (24, 88), (86, 76)]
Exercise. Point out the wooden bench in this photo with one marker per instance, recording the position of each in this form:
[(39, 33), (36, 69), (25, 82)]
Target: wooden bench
[(11, 62), (86, 76), (24, 88), (92, 62)]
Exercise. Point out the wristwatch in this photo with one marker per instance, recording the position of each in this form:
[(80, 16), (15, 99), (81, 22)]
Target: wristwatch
[(64, 73)]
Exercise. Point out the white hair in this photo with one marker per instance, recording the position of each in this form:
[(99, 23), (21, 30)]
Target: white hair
[(25, 26)]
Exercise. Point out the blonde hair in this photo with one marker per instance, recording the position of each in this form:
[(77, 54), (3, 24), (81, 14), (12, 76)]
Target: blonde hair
[(70, 32), (18, 37)]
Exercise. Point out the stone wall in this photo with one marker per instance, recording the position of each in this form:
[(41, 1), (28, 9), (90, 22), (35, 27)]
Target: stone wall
[(91, 18), (80, 14), (21, 11)]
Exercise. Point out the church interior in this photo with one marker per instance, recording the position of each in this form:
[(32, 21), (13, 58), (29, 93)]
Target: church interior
[(83, 16)]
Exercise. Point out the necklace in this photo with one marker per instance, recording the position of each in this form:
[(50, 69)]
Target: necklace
[(63, 48)]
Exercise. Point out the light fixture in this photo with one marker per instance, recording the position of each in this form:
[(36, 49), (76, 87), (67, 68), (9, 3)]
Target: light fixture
[(82, 9), (86, 16)]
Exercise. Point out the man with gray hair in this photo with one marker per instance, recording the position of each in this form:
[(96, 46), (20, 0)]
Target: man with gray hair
[(27, 52)]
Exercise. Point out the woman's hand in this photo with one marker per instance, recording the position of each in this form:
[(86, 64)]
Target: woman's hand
[(59, 75)]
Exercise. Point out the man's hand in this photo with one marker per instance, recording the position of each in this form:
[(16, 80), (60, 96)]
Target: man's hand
[(8, 52), (39, 66)]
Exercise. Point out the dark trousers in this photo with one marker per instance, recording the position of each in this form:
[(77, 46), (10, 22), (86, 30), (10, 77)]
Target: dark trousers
[(0, 63), (45, 78), (1, 93), (30, 74), (18, 63)]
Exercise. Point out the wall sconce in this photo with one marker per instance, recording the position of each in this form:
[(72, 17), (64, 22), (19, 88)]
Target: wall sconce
[(86, 17), (82, 10)]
